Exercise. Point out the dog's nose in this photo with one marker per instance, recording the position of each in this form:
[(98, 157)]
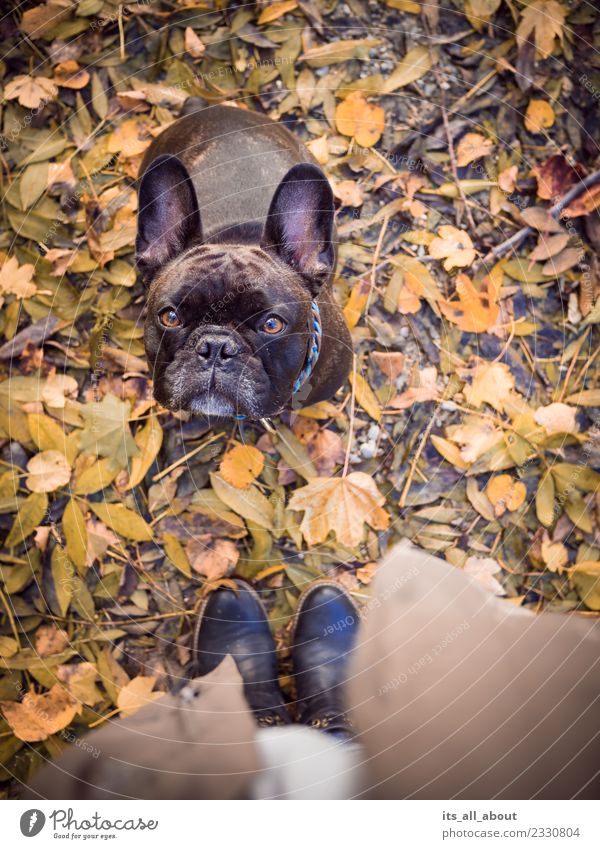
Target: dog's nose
[(217, 347)]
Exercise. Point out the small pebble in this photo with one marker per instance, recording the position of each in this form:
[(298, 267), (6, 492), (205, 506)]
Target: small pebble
[(449, 406), (368, 450), (373, 433)]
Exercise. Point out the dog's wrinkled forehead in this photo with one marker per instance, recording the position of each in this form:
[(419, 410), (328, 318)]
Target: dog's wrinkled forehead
[(211, 272)]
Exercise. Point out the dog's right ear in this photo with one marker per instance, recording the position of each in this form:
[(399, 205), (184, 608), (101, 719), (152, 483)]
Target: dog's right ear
[(168, 215)]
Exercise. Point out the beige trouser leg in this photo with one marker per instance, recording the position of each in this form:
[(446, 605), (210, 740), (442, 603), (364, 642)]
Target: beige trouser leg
[(457, 693), (196, 745)]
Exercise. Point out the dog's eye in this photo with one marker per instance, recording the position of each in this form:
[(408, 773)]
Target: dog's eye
[(273, 324), (169, 318)]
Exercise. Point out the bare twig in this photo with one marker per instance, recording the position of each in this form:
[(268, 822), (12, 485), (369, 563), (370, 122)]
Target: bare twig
[(515, 240), (452, 154)]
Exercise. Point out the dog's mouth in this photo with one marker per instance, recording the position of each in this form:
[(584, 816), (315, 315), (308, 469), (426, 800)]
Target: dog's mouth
[(212, 405)]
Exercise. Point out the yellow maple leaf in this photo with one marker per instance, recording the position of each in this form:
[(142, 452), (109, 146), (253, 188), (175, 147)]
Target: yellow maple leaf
[(476, 310), (492, 383), (545, 19), (15, 279), (454, 246), (342, 505), (472, 146), (31, 92), (38, 716), (136, 694)]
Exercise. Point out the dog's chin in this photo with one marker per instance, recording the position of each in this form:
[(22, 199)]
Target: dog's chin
[(212, 405)]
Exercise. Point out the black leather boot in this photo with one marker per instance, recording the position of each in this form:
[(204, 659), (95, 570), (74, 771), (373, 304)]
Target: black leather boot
[(324, 633), (235, 623)]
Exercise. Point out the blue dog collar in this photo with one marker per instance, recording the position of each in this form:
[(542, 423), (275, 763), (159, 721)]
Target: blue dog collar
[(316, 333)]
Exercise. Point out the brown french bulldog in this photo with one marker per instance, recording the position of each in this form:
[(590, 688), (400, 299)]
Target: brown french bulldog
[(236, 240)]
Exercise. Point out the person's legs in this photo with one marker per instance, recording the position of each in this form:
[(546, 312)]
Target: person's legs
[(234, 622), (324, 633)]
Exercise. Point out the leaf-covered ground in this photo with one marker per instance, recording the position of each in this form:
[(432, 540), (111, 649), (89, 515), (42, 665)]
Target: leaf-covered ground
[(451, 135)]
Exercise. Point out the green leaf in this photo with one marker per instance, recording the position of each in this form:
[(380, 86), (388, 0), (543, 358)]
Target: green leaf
[(62, 575), (30, 515), (107, 433), (123, 521), (96, 477), (148, 440), (176, 554), (75, 534), (415, 64), (249, 503)]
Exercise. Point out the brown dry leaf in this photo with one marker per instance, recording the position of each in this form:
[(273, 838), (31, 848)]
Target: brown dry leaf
[(342, 505), (320, 149), (50, 640), (136, 694), (242, 465), (492, 383), (557, 418), (57, 388), (554, 554), (475, 436), (414, 65), (555, 177), (505, 493), (276, 10), (507, 179), (366, 573), (130, 138), (338, 51), (476, 311), (212, 558), (80, 680), (548, 247), (588, 202), (31, 92), (70, 75), (48, 471), (563, 261), (99, 537), (479, 12), (391, 364), (539, 116), (38, 716), (15, 279), (365, 396), (545, 20), (540, 219), (326, 451), (41, 19), (193, 44), (483, 570), (425, 390), (453, 245), (349, 192), (363, 121), (472, 146)]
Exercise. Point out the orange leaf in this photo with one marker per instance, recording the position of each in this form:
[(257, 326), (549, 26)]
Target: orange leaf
[(475, 311), (356, 117), (505, 493), (242, 465)]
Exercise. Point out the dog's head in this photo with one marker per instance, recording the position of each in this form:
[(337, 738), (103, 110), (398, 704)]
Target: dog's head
[(227, 328)]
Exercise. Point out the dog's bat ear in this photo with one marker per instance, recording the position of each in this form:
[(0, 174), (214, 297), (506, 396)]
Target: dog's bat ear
[(299, 227), (168, 215)]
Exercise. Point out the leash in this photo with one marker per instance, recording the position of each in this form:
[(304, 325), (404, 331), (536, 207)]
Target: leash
[(316, 336)]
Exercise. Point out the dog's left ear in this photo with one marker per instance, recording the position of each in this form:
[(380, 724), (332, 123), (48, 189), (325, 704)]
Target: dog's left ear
[(168, 215), (299, 226)]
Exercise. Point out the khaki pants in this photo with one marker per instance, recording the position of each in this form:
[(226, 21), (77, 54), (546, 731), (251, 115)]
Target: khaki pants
[(453, 692)]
